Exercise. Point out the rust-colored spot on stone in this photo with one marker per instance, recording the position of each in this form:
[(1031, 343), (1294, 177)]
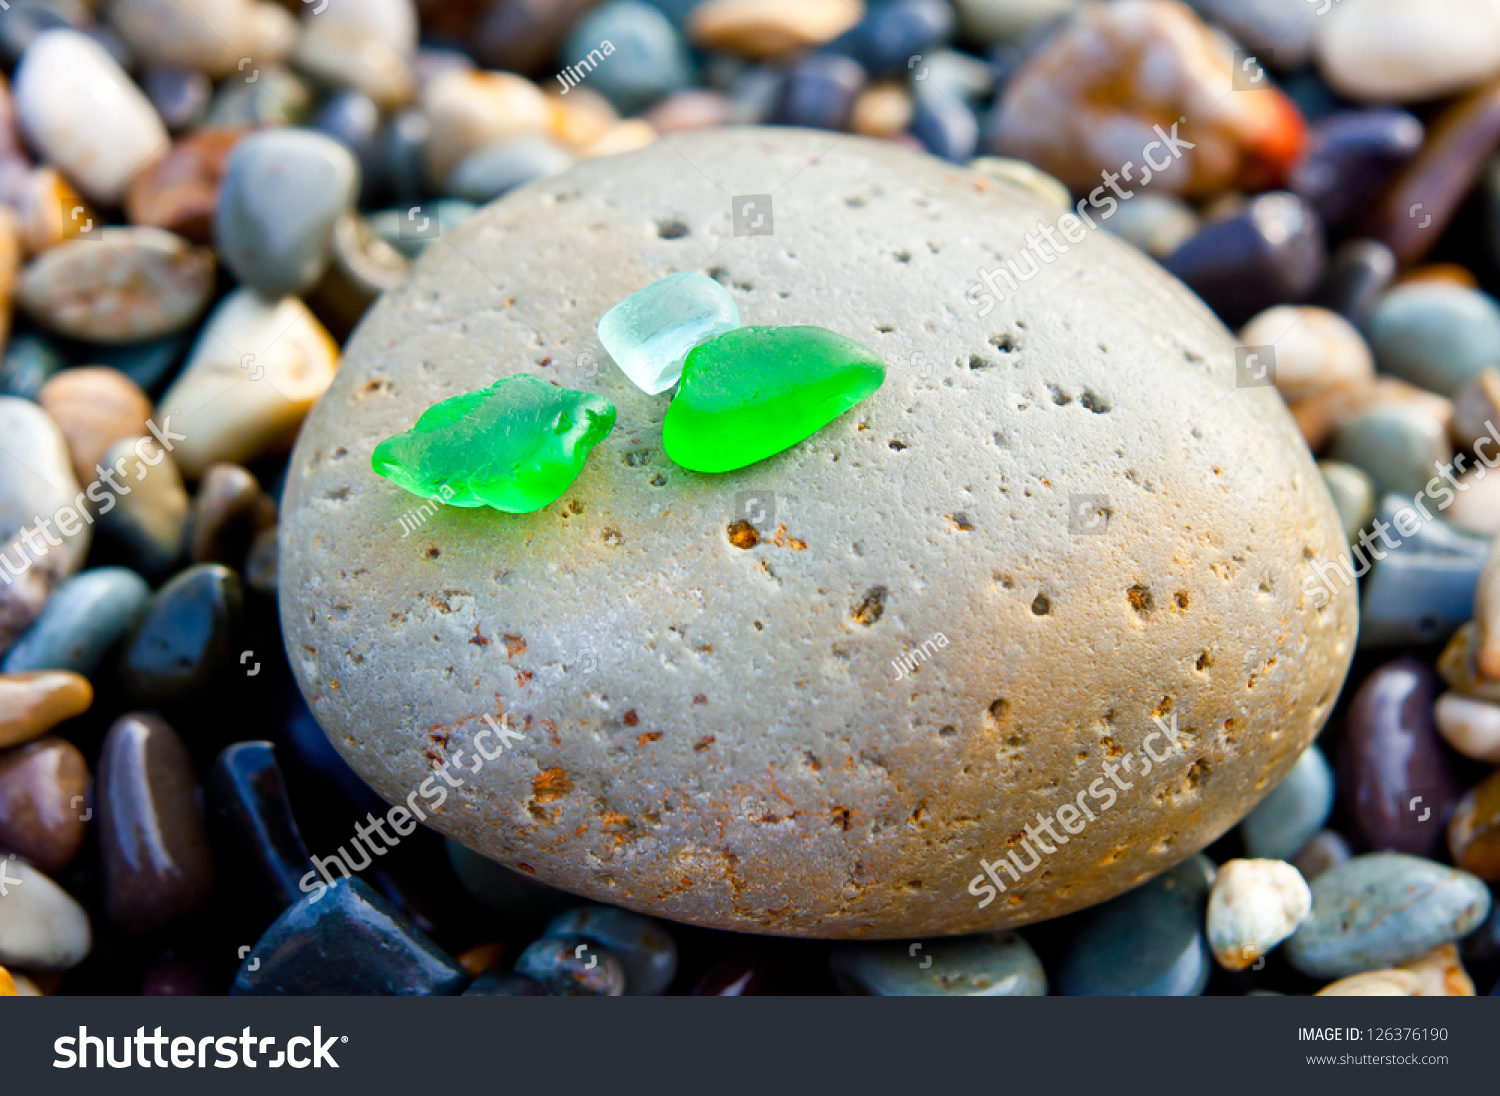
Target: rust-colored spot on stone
[(514, 645), (700, 699), (523, 677), (783, 539), (868, 611), (527, 868), (479, 639), (704, 743), (631, 719), (549, 785), (649, 736), (743, 535)]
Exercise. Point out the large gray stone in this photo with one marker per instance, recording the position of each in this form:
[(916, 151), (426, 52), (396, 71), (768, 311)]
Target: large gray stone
[(718, 734)]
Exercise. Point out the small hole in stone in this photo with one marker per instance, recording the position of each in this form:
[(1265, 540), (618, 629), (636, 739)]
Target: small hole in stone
[(658, 480), (432, 553), (896, 445), (1181, 598), (1094, 402), (1204, 661), (976, 362), (903, 256), (671, 229), (1041, 605), (1140, 599)]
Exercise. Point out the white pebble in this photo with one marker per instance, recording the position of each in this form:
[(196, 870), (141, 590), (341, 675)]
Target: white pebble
[(1255, 905), (1472, 727)]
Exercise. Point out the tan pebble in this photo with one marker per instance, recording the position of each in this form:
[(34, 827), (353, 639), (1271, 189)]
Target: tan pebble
[(180, 191), (579, 118), (349, 57), (94, 406), (469, 109), (1315, 350), (1476, 411), (207, 35), (47, 209), (882, 110), (1487, 617), (127, 285), (1254, 905), (1448, 273), (1474, 832), (1476, 503), (1395, 390), (1457, 666), (236, 414), (1472, 727), (1319, 417), (696, 108), (1442, 973), (626, 136), (31, 704), (767, 28), (1375, 983)]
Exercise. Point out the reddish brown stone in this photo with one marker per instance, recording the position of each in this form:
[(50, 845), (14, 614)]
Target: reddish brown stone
[(179, 192)]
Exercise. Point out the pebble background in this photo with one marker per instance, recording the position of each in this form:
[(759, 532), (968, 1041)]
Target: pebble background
[(195, 194)]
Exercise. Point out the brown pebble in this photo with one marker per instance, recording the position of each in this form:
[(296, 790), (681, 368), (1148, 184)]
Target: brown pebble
[(1460, 141), (94, 406), (230, 510), (767, 28), (43, 786), (47, 209), (31, 704), (152, 837), (180, 191), (1447, 273), (1474, 833), (482, 957)]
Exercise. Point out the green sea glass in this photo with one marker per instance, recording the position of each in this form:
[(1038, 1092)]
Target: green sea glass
[(516, 445), (754, 391)]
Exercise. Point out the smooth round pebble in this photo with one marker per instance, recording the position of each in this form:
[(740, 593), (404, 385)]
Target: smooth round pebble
[(1396, 445), (1437, 335), (1353, 494), (95, 407), (187, 640), (1254, 905), (1375, 983), (1284, 821), (41, 926), (646, 57), (1327, 850), (571, 966), (90, 613), (1470, 726), (1407, 50), (146, 526), (491, 170), (43, 786), (32, 703), (998, 964), (643, 946)]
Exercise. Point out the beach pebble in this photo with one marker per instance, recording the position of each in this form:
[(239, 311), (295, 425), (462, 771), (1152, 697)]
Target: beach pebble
[(187, 642), (181, 190), (1408, 50), (1397, 445), (1350, 157), (1254, 905), (521, 35), (152, 838), (339, 519), (991, 21), (1358, 275), (1423, 590), (1476, 503), (1476, 413), (1441, 972), (761, 29), (499, 983), (1417, 208), (94, 407), (1375, 983), (278, 97), (570, 966), (349, 941), (680, 112), (364, 45), (1472, 727), (1314, 351), (274, 356), (1384, 908), (85, 115), (895, 31), (361, 267), (1353, 494), (1080, 106), (228, 512), (1278, 31), (1436, 335), (28, 363), (491, 170), (628, 52), (180, 95), (1458, 665), (1474, 833), (41, 926), (1271, 251), (1158, 224), (1326, 850), (643, 946), (43, 786), (821, 90), (1394, 775), (84, 620), (998, 964), (282, 192), (467, 110), (32, 703), (207, 36), (141, 283), (945, 128), (146, 526), (1289, 817), (1146, 943), (248, 796)]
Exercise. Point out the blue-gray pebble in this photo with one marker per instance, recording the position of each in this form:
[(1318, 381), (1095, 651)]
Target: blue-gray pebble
[(642, 944), (570, 966), (1437, 335), (1146, 943), (89, 614), (283, 191), (29, 361), (649, 58), (998, 964), (346, 941), (1291, 816), (1381, 909), (491, 170)]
